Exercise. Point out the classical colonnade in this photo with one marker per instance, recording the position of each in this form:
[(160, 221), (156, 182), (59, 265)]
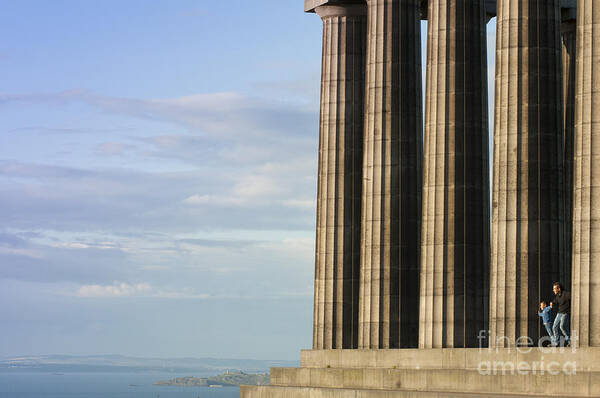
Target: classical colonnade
[(404, 252)]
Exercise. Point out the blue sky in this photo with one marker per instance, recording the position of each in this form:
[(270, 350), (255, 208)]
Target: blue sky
[(158, 177)]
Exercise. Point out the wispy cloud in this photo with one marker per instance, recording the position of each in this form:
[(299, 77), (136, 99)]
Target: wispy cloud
[(140, 290), (132, 183), (118, 289), (235, 215), (225, 114), (221, 243), (86, 245)]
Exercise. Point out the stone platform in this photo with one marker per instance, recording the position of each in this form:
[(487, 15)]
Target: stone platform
[(437, 373)]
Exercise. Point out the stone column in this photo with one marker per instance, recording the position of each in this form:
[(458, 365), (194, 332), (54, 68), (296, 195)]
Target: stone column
[(586, 194), (340, 177), (455, 238), (568, 35), (528, 247), (391, 205)]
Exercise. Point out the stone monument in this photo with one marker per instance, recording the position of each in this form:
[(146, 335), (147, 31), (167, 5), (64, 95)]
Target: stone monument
[(424, 287)]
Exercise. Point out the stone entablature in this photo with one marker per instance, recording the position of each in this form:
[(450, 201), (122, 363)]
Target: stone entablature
[(568, 7)]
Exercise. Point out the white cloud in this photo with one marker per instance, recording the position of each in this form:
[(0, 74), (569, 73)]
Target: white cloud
[(251, 189), (199, 200), (213, 200), (118, 289), (256, 186), (218, 164), (123, 289), (71, 245), (81, 245)]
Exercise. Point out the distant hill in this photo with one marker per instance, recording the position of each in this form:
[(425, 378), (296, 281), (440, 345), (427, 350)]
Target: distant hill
[(223, 380), (119, 363)]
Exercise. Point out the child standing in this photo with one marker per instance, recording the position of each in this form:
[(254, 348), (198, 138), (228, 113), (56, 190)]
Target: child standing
[(546, 313)]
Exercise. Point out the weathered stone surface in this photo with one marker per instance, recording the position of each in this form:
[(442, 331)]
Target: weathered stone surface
[(586, 194), (568, 35), (512, 378), (455, 238), (311, 5), (337, 262), (319, 392), (585, 358), (543, 372), (528, 247), (391, 205)]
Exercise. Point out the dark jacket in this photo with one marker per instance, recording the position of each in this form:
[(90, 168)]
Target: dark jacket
[(562, 302), (546, 315)]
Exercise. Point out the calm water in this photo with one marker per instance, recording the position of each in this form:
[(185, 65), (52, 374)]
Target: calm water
[(102, 385)]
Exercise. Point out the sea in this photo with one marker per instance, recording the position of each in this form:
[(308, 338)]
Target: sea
[(102, 385)]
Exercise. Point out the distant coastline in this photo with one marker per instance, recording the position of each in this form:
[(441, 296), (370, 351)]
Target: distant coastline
[(227, 379), (201, 367)]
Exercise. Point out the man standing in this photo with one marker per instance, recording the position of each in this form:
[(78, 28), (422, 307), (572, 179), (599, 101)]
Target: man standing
[(562, 303)]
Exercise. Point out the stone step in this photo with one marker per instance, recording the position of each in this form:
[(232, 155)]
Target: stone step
[(501, 381), (586, 359), (319, 392)]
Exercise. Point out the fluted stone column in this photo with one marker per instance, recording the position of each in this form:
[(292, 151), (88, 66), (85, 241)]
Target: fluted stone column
[(568, 35), (391, 205), (586, 215), (528, 246), (340, 178), (455, 238)]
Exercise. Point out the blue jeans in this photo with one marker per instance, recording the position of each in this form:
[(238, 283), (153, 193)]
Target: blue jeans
[(548, 326), (561, 322)]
